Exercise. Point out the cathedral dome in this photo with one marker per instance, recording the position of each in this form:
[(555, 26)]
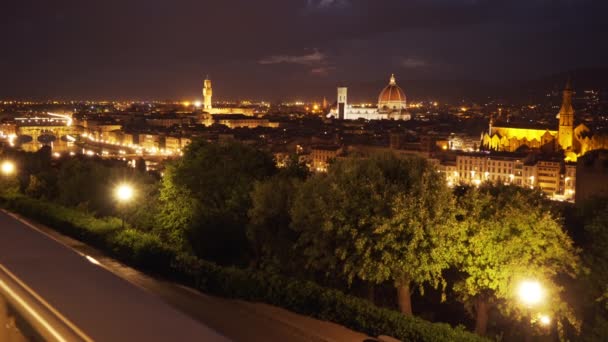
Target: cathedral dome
[(392, 97)]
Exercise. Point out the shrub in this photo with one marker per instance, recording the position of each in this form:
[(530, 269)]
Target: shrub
[(142, 250)]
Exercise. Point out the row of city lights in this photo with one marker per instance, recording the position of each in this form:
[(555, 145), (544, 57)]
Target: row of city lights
[(138, 149)]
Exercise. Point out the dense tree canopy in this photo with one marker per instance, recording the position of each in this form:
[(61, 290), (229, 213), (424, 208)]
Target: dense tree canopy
[(269, 230), (509, 236), (592, 290), (206, 196), (378, 219)]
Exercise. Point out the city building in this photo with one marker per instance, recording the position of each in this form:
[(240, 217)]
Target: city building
[(321, 155), (391, 105), (209, 108), (553, 177), (592, 175), (573, 141), (238, 121)]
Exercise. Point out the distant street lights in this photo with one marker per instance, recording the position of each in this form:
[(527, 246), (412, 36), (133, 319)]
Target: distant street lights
[(8, 168), (124, 193)]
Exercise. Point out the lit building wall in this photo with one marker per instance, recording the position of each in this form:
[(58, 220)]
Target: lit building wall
[(546, 175), (172, 144), (321, 156)]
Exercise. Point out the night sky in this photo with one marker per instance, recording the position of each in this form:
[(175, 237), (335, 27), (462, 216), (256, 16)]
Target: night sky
[(273, 49)]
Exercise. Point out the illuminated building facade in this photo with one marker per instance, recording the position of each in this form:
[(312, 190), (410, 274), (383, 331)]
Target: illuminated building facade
[(565, 130), (573, 141), (207, 94), (392, 105), (208, 104), (321, 156), (238, 121), (554, 177)]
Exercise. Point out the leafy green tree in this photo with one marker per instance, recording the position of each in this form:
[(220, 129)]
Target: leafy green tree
[(378, 219), (207, 193), (89, 184), (509, 235), (269, 231), (593, 287), (9, 185), (295, 168), (36, 187), (178, 210), (80, 183), (143, 212)]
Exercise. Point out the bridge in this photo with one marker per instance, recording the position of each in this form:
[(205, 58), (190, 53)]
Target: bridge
[(44, 130), (54, 288)]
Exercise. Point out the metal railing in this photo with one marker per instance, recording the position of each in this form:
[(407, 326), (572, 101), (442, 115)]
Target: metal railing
[(25, 316)]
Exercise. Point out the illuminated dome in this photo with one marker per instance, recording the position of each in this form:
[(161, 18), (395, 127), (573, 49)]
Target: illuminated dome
[(391, 97)]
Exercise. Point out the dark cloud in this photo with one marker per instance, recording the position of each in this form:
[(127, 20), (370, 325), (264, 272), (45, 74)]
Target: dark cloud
[(414, 63), (312, 58), (162, 49)]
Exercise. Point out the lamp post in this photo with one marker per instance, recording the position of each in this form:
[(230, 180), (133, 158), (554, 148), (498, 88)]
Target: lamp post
[(8, 168), (124, 193), (9, 184), (531, 293)]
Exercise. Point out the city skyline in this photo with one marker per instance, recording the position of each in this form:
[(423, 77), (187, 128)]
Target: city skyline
[(157, 50), (298, 170)]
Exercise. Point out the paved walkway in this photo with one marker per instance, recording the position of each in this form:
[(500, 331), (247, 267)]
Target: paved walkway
[(235, 319)]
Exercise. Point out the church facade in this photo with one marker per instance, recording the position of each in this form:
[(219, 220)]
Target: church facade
[(573, 141), (392, 105)]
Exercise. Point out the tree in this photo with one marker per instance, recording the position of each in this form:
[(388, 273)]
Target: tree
[(82, 183), (510, 235), (269, 231), (207, 193), (593, 287), (378, 219)]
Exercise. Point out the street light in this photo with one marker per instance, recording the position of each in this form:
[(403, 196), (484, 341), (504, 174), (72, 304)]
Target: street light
[(8, 167), (124, 193), (530, 292), (544, 320)]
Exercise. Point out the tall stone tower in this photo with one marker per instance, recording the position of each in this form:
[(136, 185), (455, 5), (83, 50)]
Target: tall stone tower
[(207, 93), (342, 102), (565, 131)]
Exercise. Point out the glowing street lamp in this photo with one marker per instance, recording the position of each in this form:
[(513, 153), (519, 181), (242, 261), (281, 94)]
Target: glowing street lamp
[(544, 320), (530, 292), (124, 193), (8, 168)]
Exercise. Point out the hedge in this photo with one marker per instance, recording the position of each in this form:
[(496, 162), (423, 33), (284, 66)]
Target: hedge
[(147, 251)]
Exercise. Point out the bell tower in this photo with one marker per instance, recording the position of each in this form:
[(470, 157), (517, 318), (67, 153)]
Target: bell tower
[(342, 102), (565, 131), (207, 93)]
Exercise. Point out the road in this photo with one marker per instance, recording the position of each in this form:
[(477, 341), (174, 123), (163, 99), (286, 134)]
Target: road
[(103, 305), (113, 302)]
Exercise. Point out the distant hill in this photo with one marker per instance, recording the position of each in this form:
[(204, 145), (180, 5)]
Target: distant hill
[(582, 79), (478, 91)]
